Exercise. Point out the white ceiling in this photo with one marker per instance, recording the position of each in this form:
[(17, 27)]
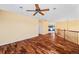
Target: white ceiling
[(66, 11)]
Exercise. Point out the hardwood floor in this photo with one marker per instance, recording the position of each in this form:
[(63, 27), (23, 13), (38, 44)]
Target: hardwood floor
[(43, 44)]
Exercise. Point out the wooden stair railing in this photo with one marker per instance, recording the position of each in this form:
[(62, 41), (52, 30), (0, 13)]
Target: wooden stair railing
[(64, 33)]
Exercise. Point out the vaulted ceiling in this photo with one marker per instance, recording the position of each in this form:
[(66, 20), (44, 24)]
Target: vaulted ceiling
[(63, 11)]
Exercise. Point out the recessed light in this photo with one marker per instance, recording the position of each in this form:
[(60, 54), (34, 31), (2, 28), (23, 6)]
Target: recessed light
[(54, 8), (20, 7)]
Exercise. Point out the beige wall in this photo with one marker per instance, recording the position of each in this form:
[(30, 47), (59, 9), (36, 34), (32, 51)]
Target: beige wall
[(69, 25), (14, 27), (61, 25), (43, 26)]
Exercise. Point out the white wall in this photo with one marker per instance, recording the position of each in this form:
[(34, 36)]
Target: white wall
[(14, 27)]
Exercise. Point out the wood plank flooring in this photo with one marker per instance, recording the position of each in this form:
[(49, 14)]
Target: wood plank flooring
[(43, 44)]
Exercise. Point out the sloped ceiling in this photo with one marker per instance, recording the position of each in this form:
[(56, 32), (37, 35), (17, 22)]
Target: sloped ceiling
[(63, 11)]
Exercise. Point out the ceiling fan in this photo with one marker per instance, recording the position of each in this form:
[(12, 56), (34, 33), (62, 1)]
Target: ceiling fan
[(38, 10)]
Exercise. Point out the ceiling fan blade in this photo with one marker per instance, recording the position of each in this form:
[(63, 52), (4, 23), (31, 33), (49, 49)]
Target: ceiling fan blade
[(37, 6), (35, 13), (41, 13), (31, 10), (45, 10)]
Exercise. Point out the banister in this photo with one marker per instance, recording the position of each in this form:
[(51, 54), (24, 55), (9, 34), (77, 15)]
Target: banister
[(68, 30)]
